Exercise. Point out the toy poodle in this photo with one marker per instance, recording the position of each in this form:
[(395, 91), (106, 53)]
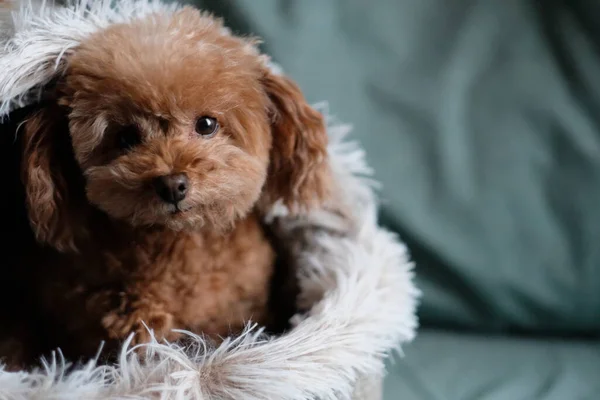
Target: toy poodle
[(137, 193)]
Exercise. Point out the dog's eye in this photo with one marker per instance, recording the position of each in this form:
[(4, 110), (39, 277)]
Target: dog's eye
[(206, 126), (128, 137)]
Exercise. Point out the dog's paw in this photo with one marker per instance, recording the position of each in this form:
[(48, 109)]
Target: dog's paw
[(159, 324), (143, 323)]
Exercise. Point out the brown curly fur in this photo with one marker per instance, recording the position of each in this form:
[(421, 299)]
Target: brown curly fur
[(104, 254)]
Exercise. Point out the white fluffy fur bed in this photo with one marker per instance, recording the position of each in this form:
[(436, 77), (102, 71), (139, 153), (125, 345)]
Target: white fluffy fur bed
[(355, 277)]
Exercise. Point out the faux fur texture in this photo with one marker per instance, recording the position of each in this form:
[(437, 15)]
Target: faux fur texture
[(355, 277), (43, 34)]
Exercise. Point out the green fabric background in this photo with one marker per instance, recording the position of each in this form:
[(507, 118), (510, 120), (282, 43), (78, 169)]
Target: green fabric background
[(448, 366)]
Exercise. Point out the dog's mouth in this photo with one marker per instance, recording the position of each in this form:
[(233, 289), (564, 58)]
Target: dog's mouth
[(177, 217), (178, 209)]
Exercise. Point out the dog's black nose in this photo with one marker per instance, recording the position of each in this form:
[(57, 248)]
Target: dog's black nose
[(172, 188)]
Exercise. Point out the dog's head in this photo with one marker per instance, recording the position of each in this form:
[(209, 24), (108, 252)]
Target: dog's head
[(169, 120)]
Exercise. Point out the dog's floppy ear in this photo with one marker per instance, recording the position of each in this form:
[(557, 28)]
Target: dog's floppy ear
[(50, 176), (298, 171)]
